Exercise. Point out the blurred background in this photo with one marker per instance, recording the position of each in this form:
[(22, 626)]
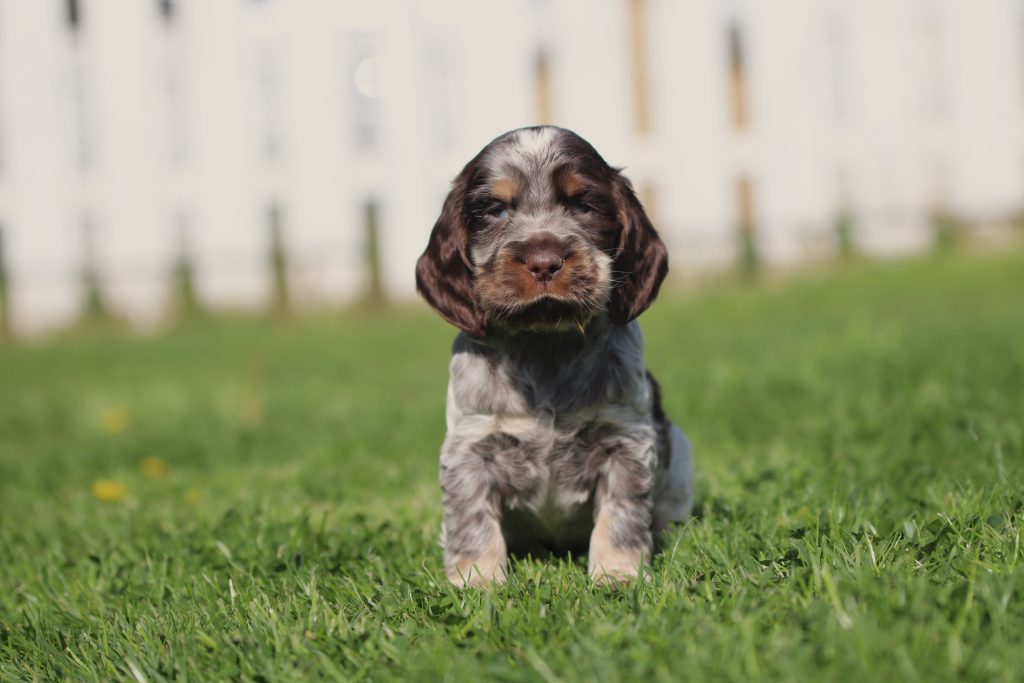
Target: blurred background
[(163, 157)]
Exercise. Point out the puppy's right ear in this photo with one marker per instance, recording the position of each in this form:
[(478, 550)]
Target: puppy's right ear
[(444, 273)]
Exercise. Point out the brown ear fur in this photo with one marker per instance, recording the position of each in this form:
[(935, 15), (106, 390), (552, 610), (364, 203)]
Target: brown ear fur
[(444, 273), (641, 260)]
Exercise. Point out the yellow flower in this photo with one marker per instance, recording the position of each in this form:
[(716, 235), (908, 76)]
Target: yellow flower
[(108, 490), (154, 468), (193, 495), (115, 421)]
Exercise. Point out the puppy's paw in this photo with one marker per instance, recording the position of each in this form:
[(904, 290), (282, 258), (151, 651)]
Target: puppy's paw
[(613, 566), (476, 572)]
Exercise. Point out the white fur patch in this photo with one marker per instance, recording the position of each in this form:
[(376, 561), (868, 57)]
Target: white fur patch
[(536, 141)]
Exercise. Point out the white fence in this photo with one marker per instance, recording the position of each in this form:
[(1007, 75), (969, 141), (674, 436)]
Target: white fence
[(130, 128)]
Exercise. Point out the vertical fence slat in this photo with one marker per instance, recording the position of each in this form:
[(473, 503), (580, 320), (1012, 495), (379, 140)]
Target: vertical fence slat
[(750, 259), (280, 301), (845, 228), (94, 300), (184, 299), (5, 309), (374, 285)]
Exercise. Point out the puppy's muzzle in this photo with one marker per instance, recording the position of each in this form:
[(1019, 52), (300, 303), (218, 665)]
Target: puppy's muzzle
[(542, 255)]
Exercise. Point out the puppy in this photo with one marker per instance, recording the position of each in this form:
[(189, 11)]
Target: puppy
[(556, 439)]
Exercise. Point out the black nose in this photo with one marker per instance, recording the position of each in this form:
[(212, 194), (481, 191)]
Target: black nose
[(544, 264)]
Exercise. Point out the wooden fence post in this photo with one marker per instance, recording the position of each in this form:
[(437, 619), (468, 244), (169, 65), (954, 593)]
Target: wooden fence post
[(5, 294), (184, 300), (94, 301), (375, 286), (949, 231), (750, 259), (845, 227), (280, 303)]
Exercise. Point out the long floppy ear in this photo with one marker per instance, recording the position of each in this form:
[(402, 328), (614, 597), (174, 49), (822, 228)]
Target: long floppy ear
[(641, 260), (444, 273)]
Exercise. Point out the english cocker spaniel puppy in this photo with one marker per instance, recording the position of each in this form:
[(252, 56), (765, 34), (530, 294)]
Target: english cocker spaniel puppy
[(543, 257)]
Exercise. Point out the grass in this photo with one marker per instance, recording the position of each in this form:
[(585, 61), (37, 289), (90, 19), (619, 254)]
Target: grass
[(239, 500)]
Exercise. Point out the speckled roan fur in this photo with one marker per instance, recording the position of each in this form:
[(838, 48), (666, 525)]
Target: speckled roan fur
[(556, 438)]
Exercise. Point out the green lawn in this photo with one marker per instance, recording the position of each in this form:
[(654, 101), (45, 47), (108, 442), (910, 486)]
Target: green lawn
[(239, 500)]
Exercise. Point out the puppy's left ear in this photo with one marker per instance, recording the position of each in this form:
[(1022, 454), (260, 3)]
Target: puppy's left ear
[(641, 260)]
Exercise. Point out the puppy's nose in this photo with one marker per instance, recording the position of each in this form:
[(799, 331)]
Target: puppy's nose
[(544, 264)]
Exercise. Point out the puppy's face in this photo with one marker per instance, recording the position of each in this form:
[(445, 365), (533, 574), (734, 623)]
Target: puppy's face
[(540, 234)]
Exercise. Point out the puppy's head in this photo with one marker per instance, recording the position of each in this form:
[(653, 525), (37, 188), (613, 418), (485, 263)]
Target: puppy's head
[(539, 233)]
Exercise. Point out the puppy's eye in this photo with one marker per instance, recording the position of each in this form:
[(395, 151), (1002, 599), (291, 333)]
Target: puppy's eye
[(498, 211), (578, 206)]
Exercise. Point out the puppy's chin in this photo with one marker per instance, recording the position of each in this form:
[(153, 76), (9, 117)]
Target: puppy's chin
[(546, 314)]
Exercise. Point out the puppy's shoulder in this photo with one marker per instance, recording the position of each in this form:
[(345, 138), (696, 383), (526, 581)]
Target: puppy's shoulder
[(478, 383)]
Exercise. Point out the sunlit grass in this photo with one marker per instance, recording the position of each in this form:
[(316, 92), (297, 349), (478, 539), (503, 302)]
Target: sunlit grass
[(244, 500)]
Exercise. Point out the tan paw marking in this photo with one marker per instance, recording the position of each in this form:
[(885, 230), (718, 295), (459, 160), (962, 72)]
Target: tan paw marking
[(479, 570), (607, 563)]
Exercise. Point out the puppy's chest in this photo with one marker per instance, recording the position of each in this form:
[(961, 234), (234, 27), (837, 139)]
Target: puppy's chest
[(545, 477), (545, 471), (548, 467)]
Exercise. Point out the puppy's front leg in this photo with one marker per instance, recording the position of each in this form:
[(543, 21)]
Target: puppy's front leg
[(623, 505), (474, 548)]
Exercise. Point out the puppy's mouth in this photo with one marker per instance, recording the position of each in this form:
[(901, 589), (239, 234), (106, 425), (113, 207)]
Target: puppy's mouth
[(519, 296), (548, 313)]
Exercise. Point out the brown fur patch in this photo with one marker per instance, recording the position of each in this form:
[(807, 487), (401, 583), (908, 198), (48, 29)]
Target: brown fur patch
[(505, 285), (571, 183), (505, 189), (623, 220)]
